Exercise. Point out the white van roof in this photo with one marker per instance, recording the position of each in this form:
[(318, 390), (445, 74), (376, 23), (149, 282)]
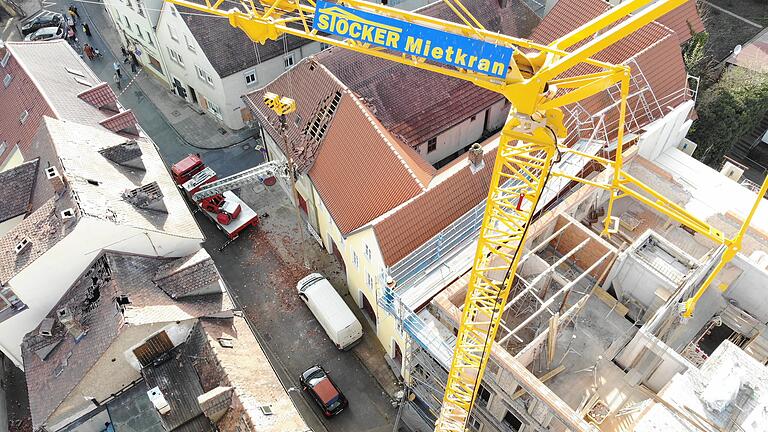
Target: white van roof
[(333, 305)]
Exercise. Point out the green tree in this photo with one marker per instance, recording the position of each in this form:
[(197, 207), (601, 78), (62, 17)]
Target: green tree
[(696, 56), (727, 111)]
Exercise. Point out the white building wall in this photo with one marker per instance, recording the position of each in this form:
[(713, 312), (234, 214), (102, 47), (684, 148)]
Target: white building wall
[(41, 284), (465, 133), (135, 21)]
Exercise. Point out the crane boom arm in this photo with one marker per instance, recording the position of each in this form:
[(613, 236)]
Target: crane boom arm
[(256, 174), (527, 146)]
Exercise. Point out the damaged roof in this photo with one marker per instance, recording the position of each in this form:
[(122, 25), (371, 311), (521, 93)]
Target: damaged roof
[(100, 184), (56, 364), (188, 275), (16, 186)]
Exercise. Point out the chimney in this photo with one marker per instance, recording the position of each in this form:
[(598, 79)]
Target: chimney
[(476, 162), (46, 327), (158, 400), (215, 403), (57, 181), (68, 320), (391, 283)]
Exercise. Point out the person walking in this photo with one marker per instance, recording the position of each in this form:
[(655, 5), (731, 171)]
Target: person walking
[(71, 23), (116, 66), (86, 29), (134, 61), (125, 53), (71, 13), (88, 50), (73, 8), (118, 80)]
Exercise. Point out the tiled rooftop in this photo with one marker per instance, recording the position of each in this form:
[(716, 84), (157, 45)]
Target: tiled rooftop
[(53, 374), (16, 186), (186, 276)]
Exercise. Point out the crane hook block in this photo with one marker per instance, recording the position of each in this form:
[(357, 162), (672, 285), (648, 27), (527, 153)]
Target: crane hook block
[(280, 105)]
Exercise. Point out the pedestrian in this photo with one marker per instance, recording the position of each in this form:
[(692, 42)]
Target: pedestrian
[(117, 80), (73, 8), (71, 13), (88, 50), (86, 29), (116, 66), (71, 22), (134, 61), (125, 53), (71, 35)]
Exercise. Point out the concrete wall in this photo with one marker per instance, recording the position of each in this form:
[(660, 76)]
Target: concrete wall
[(9, 224), (665, 133), (41, 284), (14, 159), (116, 368), (747, 290)]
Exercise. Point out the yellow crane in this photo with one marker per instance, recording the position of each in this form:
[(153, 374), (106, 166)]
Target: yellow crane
[(532, 77)]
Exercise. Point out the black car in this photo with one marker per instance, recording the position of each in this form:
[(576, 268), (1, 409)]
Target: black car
[(42, 20), (316, 381)]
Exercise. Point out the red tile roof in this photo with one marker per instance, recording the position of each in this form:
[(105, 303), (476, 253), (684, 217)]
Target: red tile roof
[(682, 20), (21, 95), (124, 122), (59, 90), (100, 96), (427, 214)]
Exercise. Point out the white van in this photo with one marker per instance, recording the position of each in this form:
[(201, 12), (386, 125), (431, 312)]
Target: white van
[(329, 308)]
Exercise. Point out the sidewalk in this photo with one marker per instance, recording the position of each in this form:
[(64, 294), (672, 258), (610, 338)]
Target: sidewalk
[(196, 128)]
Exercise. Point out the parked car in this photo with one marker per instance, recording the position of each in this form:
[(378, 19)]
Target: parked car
[(42, 20), (318, 383), (46, 33), (329, 308)]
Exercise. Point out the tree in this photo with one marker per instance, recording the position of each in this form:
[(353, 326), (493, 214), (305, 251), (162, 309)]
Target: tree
[(727, 111)]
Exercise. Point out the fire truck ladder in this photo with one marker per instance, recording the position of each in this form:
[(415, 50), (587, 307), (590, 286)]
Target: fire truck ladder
[(251, 175)]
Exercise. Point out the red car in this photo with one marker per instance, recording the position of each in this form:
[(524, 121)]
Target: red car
[(316, 381)]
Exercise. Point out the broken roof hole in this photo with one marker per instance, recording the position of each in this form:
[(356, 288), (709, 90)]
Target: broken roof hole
[(316, 128)]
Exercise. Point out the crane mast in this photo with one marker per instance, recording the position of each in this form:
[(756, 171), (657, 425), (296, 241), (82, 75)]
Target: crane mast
[(535, 82)]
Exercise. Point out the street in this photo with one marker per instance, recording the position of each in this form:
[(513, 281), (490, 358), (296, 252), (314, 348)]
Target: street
[(262, 267)]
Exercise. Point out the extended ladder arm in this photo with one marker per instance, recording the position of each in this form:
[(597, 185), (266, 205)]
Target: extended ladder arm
[(252, 175)]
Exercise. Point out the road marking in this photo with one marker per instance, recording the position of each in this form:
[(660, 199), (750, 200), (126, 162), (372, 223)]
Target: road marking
[(733, 14)]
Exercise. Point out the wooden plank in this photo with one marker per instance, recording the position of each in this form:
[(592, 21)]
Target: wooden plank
[(153, 347), (552, 338), (544, 378), (610, 301)]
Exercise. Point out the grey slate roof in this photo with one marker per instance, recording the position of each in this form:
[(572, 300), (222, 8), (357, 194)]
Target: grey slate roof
[(187, 275), (228, 49), (122, 153), (16, 186)]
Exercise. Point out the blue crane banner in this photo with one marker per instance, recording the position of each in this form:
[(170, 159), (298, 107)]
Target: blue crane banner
[(413, 39)]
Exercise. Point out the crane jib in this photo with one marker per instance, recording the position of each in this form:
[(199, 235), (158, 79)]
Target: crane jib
[(408, 38)]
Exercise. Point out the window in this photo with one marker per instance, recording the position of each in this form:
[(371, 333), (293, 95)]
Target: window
[(483, 396), (355, 260), (3, 146), (149, 39), (190, 44), (432, 145), (512, 422), (369, 280), (474, 424), (367, 253), (289, 60), (176, 57), (24, 116), (214, 109), (250, 78), (138, 31), (324, 46), (127, 24), (6, 57), (173, 10), (473, 118), (204, 76), (173, 34), (139, 8), (7, 80)]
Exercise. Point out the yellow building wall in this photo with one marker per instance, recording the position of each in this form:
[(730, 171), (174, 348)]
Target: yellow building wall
[(358, 267)]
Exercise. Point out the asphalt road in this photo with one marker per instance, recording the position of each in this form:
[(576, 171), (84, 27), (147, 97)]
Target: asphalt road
[(261, 269)]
